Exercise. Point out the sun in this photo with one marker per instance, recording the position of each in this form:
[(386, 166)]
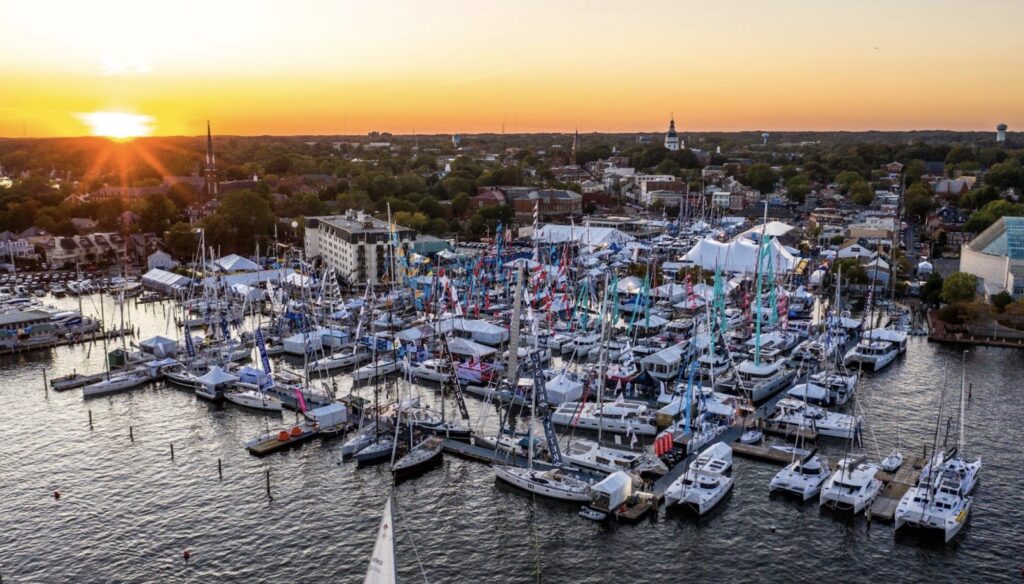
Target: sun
[(118, 125)]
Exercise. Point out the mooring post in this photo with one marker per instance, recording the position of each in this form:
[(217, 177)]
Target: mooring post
[(172, 450), (220, 470), (131, 433), (90, 419), (46, 386), (268, 485)]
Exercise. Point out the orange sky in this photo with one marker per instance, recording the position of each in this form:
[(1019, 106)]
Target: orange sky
[(442, 66)]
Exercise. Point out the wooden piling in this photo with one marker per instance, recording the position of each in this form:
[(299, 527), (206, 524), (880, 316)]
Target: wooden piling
[(90, 419), (172, 450), (46, 386), (131, 433), (220, 470), (268, 485)]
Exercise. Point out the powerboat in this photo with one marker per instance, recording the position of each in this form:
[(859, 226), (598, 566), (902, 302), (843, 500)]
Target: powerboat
[(760, 382), (852, 486), (590, 455), (621, 416), (802, 477), (877, 349), (794, 414)]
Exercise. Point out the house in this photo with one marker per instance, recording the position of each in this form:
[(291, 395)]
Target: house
[(853, 249), (83, 223), (107, 192), (551, 203), (893, 168), (487, 196), (951, 188), (12, 244)]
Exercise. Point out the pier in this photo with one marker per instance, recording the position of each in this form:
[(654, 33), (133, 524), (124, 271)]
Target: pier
[(896, 485)]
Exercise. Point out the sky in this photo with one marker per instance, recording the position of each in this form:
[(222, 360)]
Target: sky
[(465, 66)]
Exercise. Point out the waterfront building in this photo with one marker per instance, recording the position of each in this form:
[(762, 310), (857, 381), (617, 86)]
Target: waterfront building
[(996, 257), (355, 244)]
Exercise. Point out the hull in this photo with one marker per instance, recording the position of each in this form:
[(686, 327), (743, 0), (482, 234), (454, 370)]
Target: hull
[(254, 401), (534, 481)]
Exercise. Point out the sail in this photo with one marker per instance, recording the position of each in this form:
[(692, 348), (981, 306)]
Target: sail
[(382, 567)]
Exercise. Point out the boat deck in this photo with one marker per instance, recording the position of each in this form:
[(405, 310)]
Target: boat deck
[(661, 485), (792, 434)]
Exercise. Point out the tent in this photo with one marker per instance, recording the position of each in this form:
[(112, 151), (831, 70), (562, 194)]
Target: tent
[(160, 346), (771, 229), (216, 376), (459, 346), (481, 331), (164, 281), (630, 285), (236, 263), (562, 388), (739, 255)]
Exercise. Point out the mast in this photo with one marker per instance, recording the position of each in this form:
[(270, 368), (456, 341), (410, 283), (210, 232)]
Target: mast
[(513, 346), (757, 297), (960, 443)]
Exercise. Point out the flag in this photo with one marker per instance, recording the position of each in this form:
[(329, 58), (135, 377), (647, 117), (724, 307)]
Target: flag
[(300, 401), (632, 438)]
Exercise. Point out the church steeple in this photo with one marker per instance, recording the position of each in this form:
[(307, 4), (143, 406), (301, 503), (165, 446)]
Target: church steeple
[(210, 170), (575, 145), (672, 138)]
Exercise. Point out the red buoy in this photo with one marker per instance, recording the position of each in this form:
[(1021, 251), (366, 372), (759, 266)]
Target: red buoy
[(186, 554), (56, 495)]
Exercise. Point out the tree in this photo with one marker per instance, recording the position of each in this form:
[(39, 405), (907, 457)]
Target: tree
[(460, 204), (987, 215), (931, 292), (760, 177), (918, 200), (860, 193), (243, 219), (1005, 175), (847, 179), (181, 240), (1002, 300), (797, 188), (959, 287), (157, 214)]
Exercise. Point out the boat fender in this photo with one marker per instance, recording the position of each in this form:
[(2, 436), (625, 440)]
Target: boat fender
[(282, 436), (56, 495)]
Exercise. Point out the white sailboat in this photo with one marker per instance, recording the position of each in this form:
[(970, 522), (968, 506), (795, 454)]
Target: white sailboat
[(382, 568)]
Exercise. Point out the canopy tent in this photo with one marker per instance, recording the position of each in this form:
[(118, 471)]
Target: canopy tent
[(216, 376), (236, 263), (771, 229), (739, 255), (164, 281), (460, 346), (670, 292), (592, 237), (160, 346), (562, 388), (630, 285)]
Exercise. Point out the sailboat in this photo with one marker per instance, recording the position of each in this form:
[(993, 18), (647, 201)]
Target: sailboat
[(382, 568), (553, 483), (941, 501)]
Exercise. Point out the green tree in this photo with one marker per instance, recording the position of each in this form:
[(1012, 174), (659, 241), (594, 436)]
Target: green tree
[(861, 194), (959, 287), (987, 215), (797, 188), (760, 177), (847, 179), (243, 219), (460, 204), (157, 213), (1005, 175), (1002, 300), (918, 200), (931, 292), (181, 240)]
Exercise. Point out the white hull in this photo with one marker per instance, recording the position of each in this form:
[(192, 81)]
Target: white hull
[(114, 384), (374, 370), (539, 482), (254, 400)]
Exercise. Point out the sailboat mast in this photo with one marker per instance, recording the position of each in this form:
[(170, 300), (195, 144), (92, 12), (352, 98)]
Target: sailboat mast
[(963, 383)]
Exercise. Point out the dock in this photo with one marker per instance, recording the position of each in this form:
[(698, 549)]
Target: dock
[(792, 434), (62, 341), (661, 485), (276, 441), (762, 453), (895, 486), (487, 455)]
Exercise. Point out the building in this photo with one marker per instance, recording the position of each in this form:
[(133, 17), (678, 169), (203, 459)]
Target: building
[(210, 183), (551, 203), (107, 192), (672, 141), (13, 245), (487, 196), (356, 245), (67, 251), (996, 257)]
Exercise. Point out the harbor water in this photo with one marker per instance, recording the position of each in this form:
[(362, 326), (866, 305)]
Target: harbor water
[(127, 510)]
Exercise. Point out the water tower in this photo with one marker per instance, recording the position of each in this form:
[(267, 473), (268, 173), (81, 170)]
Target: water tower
[(764, 138), (1001, 133)]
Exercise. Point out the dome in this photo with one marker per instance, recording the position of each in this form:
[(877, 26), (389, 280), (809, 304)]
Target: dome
[(1001, 127), (672, 128)]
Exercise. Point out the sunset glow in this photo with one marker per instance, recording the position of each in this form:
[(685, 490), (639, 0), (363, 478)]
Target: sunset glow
[(118, 125), (318, 67)]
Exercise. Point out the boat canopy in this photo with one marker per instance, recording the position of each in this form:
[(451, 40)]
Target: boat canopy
[(217, 376), (460, 346), (159, 346)]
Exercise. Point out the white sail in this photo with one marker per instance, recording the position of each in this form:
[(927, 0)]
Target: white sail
[(382, 562)]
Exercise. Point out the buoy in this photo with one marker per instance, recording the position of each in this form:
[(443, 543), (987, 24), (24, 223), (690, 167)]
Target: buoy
[(772, 528), (186, 554), (56, 495), (296, 431)]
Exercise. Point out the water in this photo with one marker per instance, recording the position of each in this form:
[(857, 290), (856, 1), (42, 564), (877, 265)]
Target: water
[(128, 511)]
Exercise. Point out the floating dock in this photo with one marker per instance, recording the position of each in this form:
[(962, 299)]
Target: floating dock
[(275, 441), (896, 485), (762, 453)]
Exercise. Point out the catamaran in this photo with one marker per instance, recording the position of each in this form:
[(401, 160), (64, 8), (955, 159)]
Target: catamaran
[(802, 477), (852, 486), (705, 483)]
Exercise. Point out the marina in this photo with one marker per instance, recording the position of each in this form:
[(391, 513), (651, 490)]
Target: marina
[(433, 401)]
